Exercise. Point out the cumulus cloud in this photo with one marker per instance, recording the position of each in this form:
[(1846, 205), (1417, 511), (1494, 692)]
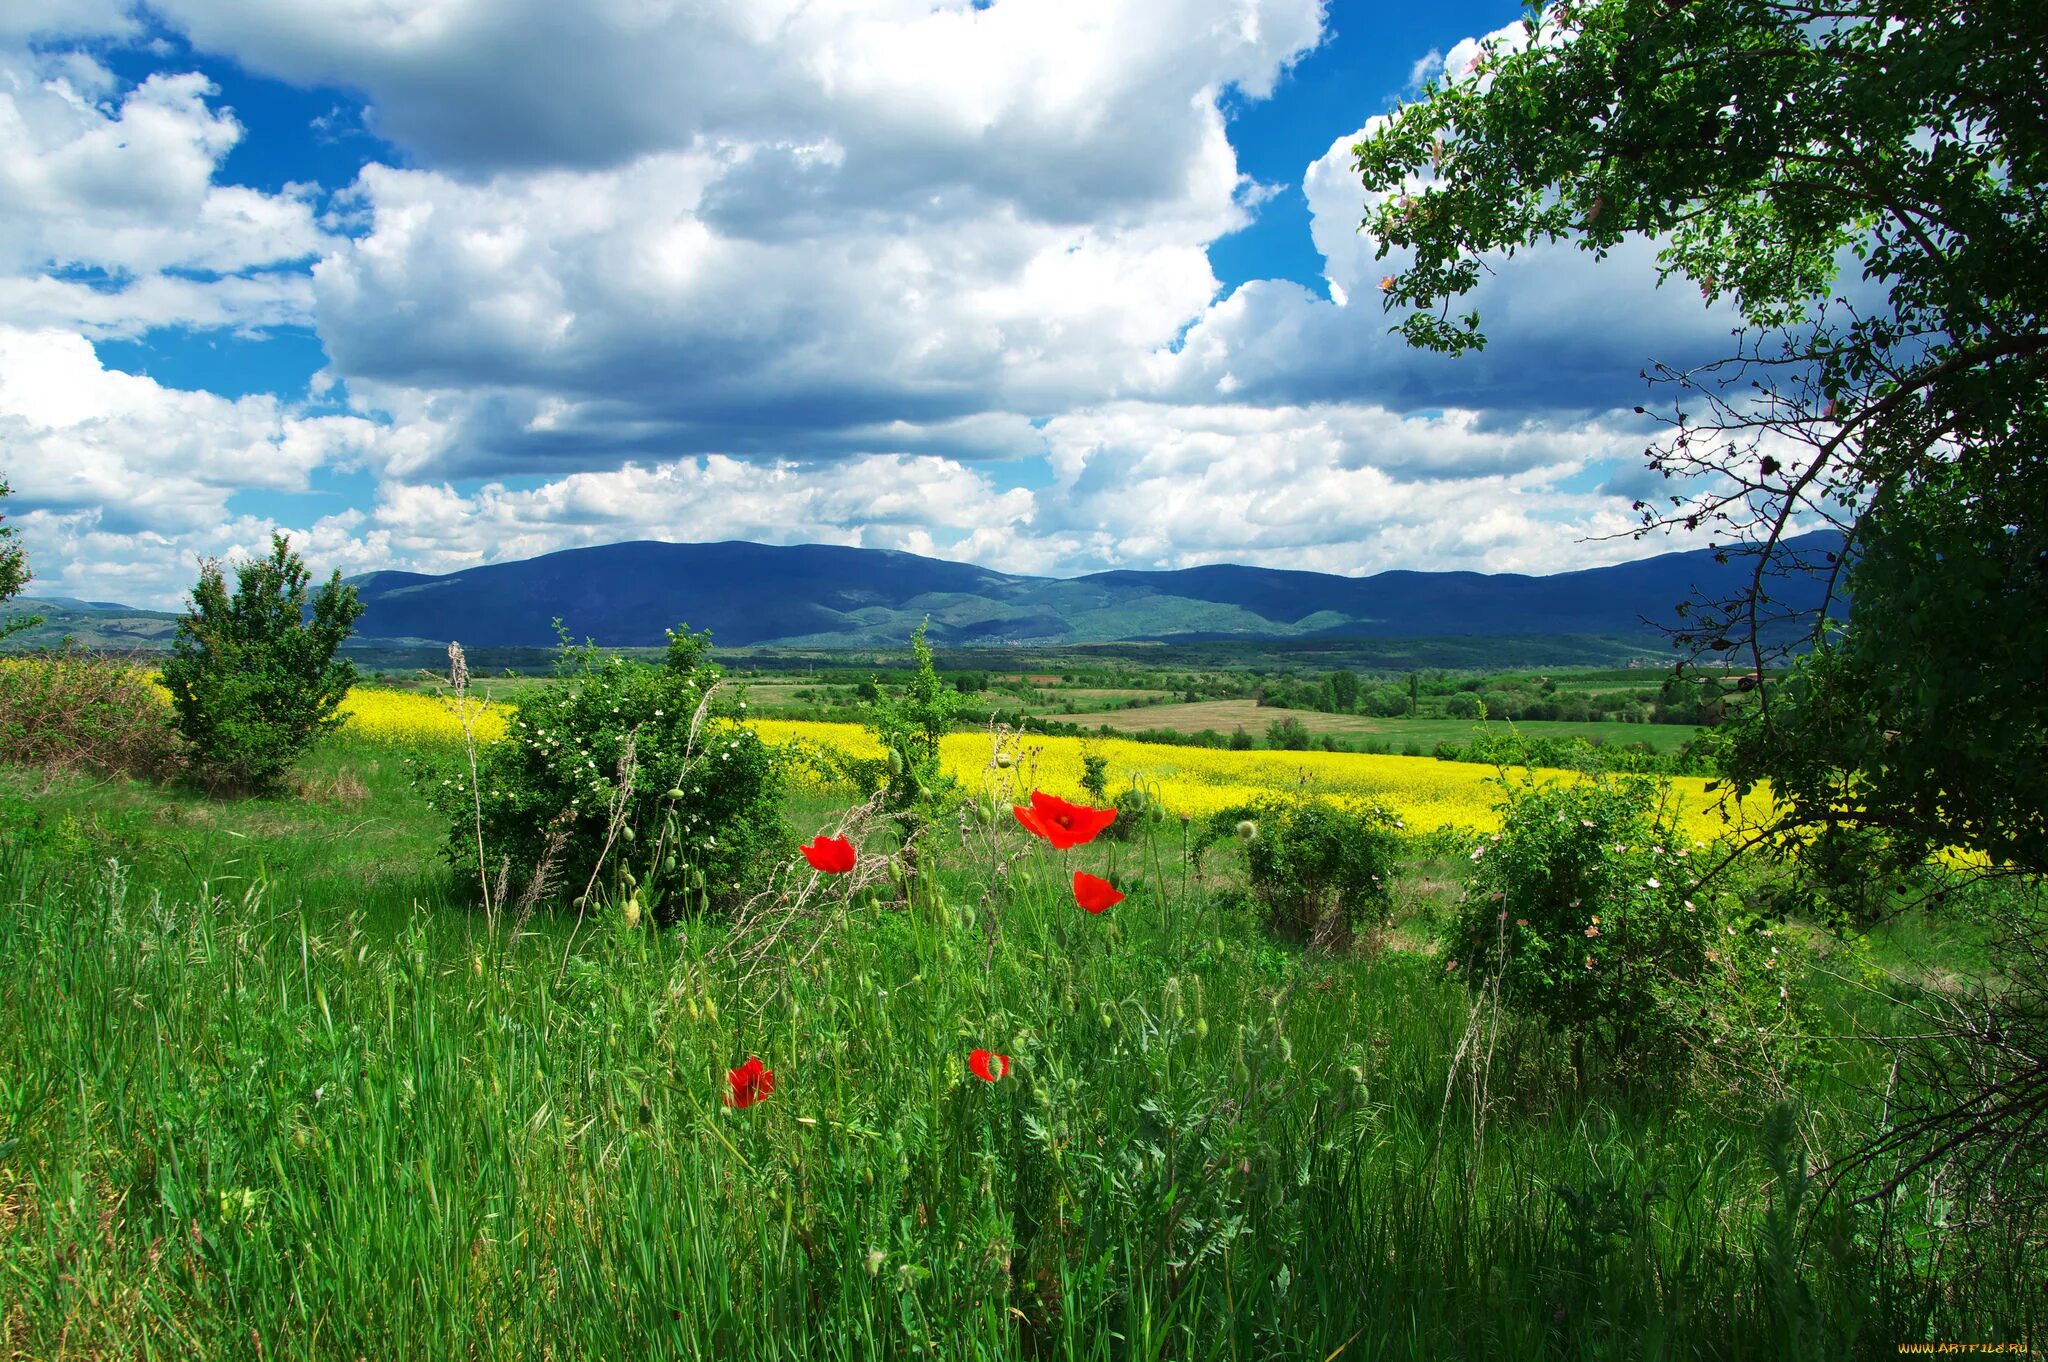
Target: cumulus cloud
[(1070, 106), (111, 216), (78, 438), (781, 271)]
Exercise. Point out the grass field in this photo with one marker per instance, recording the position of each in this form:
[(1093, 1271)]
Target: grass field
[(1226, 716), (269, 1086)]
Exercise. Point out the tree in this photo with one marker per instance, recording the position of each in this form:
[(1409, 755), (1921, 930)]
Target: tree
[(253, 676), (1759, 143), (1344, 690), (14, 573)]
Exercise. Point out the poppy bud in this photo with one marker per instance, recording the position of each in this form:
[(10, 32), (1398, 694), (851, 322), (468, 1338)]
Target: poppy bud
[(1201, 1028), (633, 910), (1004, 761), (1247, 830), (676, 793), (627, 832), (895, 762), (669, 865)]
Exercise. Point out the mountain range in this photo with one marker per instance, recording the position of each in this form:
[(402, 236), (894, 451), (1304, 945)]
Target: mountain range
[(824, 596)]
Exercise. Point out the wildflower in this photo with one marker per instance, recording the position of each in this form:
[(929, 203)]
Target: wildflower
[(1521, 922), (833, 855), (1689, 908), (1386, 283), (1592, 931), (1450, 967), (1589, 962), (1651, 883), (988, 1067), (751, 1082), (1060, 823), (1095, 894)]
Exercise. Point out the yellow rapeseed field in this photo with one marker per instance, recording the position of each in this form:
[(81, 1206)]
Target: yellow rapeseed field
[(1425, 793), (404, 716)]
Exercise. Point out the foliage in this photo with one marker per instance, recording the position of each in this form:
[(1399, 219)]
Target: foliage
[(1321, 871), (911, 723), (1584, 911), (1094, 774), (84, 711), (1758, 142), (253, 677), (1509, 746), (1925, 723), (616, 754), (1287, 735), (14, 573)]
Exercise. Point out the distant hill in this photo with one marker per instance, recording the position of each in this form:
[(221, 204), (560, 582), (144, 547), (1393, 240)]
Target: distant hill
[(99, 625), (814, 596)]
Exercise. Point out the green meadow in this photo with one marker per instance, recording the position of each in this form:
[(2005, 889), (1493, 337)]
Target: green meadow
[(271, 1085)]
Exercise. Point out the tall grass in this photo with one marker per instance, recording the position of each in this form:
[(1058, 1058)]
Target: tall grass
[(260, 1115)]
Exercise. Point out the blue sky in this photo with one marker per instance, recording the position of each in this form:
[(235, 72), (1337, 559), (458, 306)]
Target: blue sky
[(1048, 286)]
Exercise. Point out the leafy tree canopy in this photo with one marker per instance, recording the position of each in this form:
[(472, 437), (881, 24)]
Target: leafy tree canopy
[(252, 675), (1769, 147), (14, 573)]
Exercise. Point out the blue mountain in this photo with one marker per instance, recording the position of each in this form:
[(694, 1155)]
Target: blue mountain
[(816, 595)]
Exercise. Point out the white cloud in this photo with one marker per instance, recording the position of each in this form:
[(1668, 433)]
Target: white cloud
[(76, 437), (46, 20), (1071, 106), (786, 272), (101, 197)]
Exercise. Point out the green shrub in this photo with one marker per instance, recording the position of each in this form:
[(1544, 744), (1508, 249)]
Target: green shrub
[(1095, 775), (1583, 908), (1321, 870), (1287, 735), (558, 803), (81, 711), (253, 677), (909, 723), (1137, 813)]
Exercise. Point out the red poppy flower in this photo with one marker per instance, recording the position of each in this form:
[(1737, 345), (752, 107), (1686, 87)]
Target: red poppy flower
[(988, 1067), (751, 1082), (833, 855), (1094, 893), (1063, 824)]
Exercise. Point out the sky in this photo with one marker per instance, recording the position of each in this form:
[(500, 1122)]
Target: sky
[(1052, 286)]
